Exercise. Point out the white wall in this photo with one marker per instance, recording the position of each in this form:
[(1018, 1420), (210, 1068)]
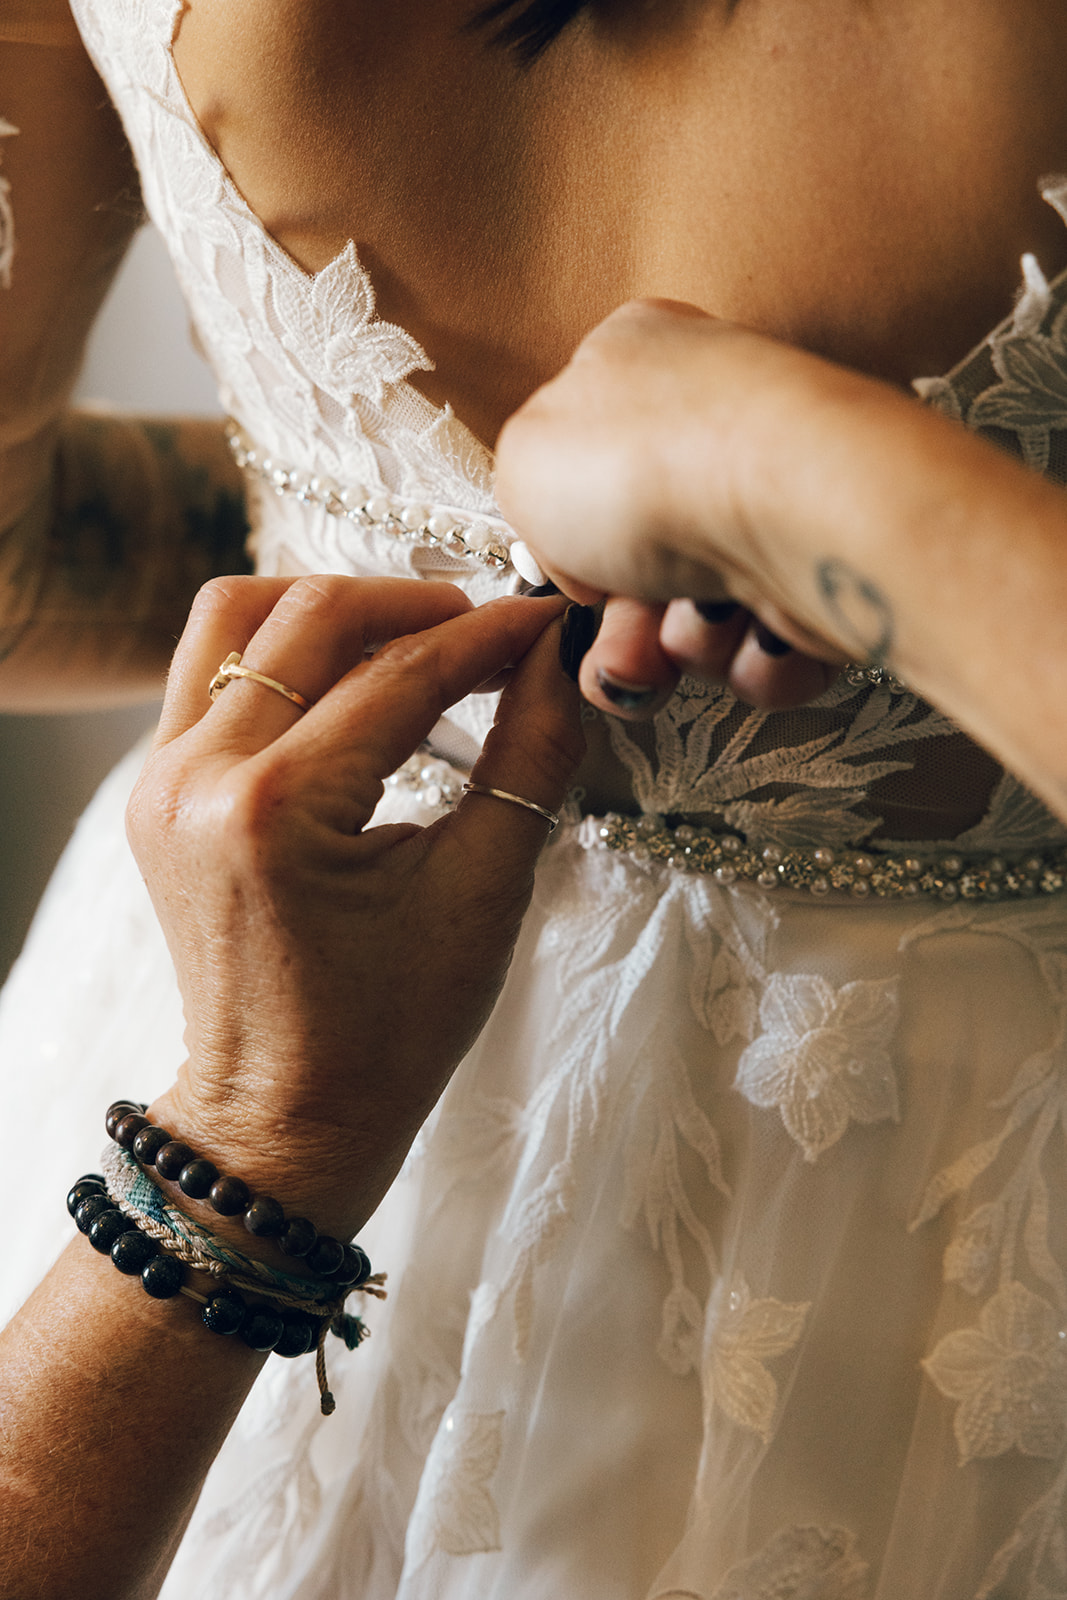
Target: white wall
[(140, 357)]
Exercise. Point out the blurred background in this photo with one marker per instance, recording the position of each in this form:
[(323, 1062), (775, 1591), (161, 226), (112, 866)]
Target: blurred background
[(140, 358)]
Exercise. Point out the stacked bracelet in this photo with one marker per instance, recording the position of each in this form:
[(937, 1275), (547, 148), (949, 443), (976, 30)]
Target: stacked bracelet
[(285, 1332), (262, 1215), (126, 1216)]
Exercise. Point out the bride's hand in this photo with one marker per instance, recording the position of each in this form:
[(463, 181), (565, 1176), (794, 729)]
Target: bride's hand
[(334, 977), (598, 471)]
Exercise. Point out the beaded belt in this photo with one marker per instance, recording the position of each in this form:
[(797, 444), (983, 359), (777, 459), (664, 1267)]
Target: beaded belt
[(729, 858), (821, 871)]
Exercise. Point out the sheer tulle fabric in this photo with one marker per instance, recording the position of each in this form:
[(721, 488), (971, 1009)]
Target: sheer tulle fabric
[(732, 1264)]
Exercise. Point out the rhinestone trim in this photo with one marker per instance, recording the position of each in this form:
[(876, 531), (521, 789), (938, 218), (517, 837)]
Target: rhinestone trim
[(857, 676), (823, 872), (483, 539)]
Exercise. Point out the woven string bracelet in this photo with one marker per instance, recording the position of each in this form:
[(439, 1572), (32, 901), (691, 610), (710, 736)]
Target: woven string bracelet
[(140, 1198)]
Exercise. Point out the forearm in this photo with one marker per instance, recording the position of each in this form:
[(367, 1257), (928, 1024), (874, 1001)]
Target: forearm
[(112, 1408), (908, 542), (99, 570), (107, 526)]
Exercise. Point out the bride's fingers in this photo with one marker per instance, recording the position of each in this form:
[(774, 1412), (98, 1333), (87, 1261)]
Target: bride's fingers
[(702, 637), (317, 630), (626, 671), (767, 673)]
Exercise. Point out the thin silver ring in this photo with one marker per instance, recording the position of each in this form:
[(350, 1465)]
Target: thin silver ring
[(514, 799)]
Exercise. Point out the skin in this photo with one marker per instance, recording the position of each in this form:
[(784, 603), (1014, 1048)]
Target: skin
[(891, 249), (303, 1078), (852, 522), (108, 526)]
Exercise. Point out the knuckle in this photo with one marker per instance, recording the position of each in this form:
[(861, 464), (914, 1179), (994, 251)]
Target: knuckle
[(248, 817), (222, 596), (324, 596), (407, 654), (549, 742)]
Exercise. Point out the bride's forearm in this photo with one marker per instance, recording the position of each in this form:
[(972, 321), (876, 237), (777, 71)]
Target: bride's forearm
[(908, 542), (99, 569), (107, 525)]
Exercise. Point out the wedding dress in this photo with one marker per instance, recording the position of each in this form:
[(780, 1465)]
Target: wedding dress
[(733, 1263)]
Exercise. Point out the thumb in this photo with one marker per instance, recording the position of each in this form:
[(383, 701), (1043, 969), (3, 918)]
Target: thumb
[(532, 752)]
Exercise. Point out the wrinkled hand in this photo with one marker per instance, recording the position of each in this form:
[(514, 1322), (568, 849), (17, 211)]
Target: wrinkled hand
[(333, 975), (596, 471)]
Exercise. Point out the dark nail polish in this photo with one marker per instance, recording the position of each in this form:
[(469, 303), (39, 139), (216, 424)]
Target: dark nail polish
[(580, 624), (540, 591), (627, 696), (717, 610), (769, 642)]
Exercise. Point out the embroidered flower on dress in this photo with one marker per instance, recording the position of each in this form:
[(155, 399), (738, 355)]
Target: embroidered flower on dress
[(801, 1563), (823, 1057), (746, 1334), (455, 1511), (972, 1254), (1010, 1376), (330, 320)]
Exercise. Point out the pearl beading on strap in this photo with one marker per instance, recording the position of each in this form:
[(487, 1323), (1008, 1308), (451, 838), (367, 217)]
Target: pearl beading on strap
[(431, 779), (484, 539), (824, 872)]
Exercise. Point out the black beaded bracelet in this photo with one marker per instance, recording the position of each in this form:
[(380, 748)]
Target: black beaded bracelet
[(343, 1264), (283, 1332)]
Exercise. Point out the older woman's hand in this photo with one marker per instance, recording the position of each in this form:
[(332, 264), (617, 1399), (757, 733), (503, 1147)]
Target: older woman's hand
[(333, 975)]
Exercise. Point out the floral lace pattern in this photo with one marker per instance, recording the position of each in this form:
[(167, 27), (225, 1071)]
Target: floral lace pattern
[(1009, 1375), (745, 1335), (823, 1058), (1008, 1372), (319, 381), (802, 1563), (455, 1511)]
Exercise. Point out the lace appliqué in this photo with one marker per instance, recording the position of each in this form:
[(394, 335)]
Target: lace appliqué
[(1014, 386), (577, 1104), (712, 756), (745, 1335), (330, 318), (667, 1118), (1008, 1372), (801, 1563), (7, 216), (1009, 1375), (823, 1058), (302, 359), (455, 1510)]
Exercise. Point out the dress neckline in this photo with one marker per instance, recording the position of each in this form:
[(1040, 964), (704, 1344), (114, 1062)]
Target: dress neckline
[(345, 260)]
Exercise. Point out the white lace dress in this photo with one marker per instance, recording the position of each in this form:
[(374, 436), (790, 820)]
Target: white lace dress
[(732, 1264)]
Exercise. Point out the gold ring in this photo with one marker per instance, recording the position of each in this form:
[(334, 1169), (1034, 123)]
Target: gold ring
[(513, 799), (231, 668)]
